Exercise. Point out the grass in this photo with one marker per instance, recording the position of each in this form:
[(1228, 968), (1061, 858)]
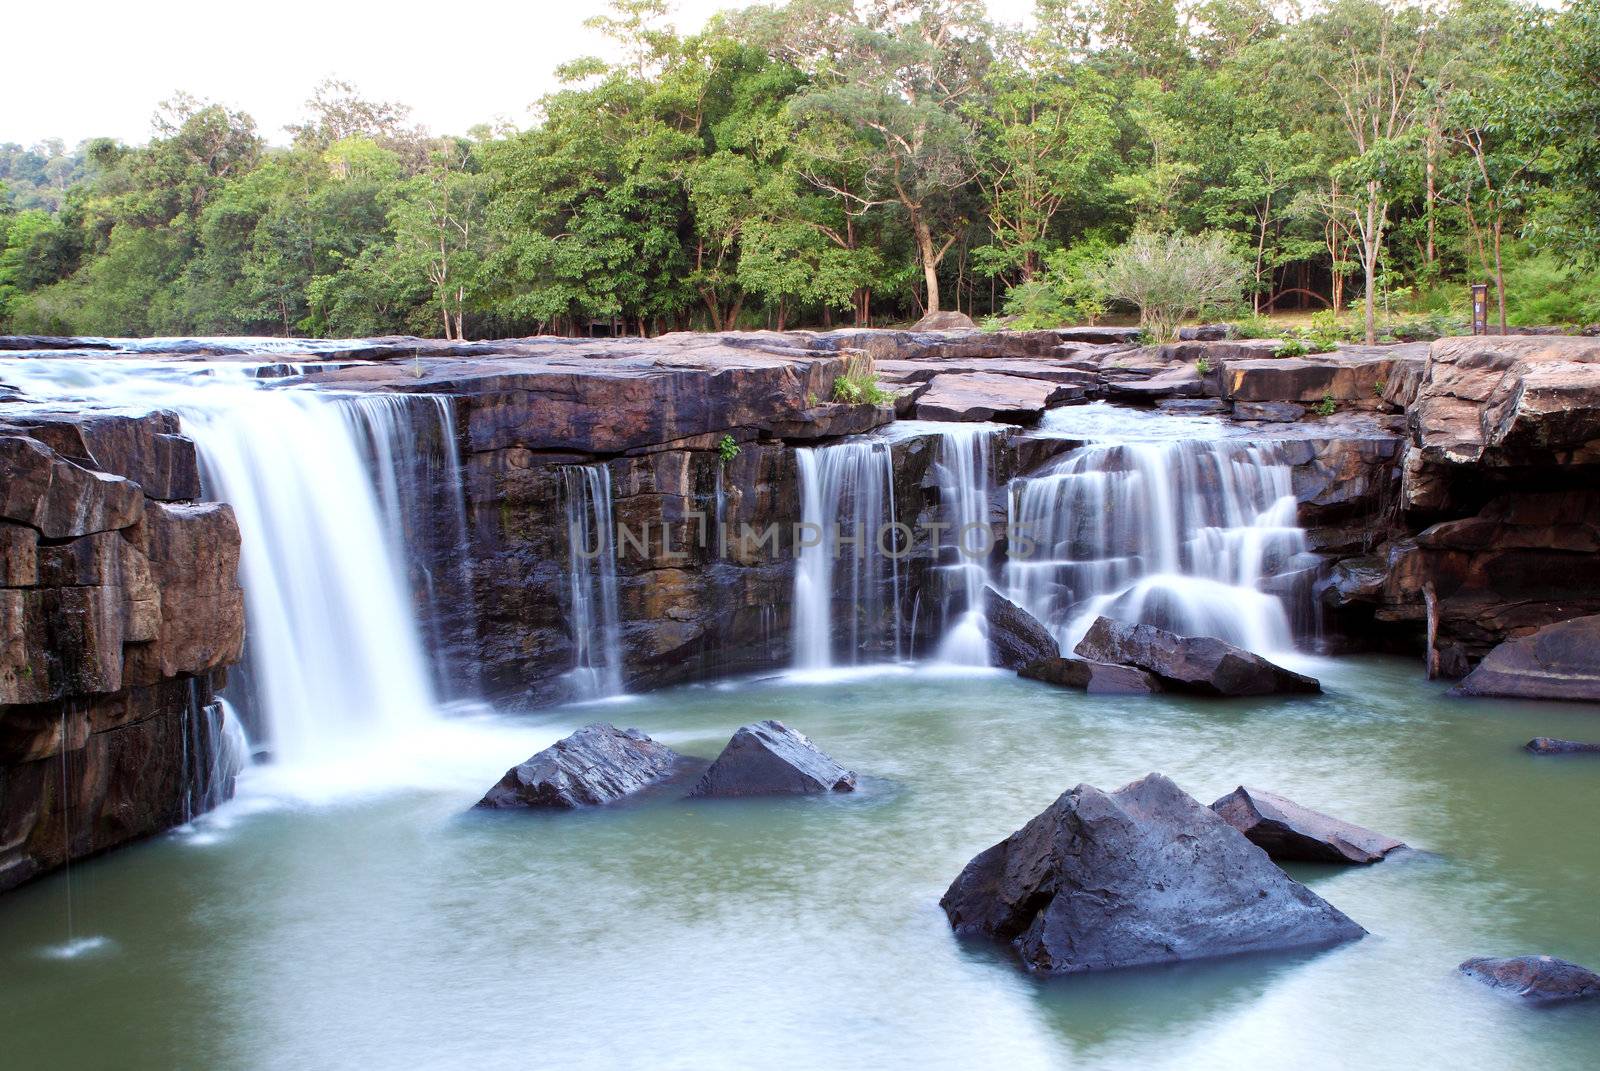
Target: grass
[(858, 383)]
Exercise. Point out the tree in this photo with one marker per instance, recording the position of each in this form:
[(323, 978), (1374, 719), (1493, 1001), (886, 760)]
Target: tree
[(1171, 276), (1369, 57), (896, 78)]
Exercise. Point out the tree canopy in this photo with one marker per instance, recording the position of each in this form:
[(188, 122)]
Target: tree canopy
[(859, 160)]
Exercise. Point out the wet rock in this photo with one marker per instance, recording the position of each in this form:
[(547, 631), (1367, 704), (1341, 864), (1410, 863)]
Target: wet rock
[(1201, 665), (1193, 406), (1539, 979), (1291, 833), (1016, 637), (1549, 745), (1096, 678), (945, 321), (1182, 381), (1351, 375), (597, 764), (1142, 875), (984, 396), (768, 758), (1560, 661), (1269, 412)]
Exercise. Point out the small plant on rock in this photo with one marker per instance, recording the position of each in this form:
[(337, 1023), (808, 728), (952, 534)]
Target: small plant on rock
[(1202, 364), (727, 449), (1326, 407), (858, 383)]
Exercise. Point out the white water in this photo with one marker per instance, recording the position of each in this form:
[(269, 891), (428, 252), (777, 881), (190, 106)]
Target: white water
[(847, 506), (965, 472), (1195, 534), (592, 604), (342, 688)]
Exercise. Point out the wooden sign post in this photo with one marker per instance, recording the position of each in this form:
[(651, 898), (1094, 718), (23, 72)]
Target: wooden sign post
[(1480, 308)]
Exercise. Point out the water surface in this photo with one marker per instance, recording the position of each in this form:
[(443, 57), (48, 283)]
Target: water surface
[(337, 918)]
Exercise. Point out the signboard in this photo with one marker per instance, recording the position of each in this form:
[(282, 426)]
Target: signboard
[(1480, 308)]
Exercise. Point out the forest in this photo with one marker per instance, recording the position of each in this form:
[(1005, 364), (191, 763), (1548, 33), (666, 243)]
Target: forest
[(826, 162)]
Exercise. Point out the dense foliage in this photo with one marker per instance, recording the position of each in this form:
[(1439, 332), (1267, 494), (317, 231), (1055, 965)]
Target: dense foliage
[(831, 160)]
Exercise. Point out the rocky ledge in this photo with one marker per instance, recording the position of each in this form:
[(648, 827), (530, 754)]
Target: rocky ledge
[(119, 611)]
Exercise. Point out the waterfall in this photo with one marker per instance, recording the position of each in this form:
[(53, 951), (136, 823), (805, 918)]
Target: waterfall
[(335, 651), (410, 441), (592, 583), (965, 481), (349, 505), (1194, 535), (847, 505)]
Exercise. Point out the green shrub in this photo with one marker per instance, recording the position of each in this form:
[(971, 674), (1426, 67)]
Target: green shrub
[(1171, 276), (1326, 407), (1291, 346), (858, 383), (727, 449), (1202, 365), (1064, 293)]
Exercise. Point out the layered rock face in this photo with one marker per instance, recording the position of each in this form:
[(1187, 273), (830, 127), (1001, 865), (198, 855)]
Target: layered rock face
[(119, 609), (1201, 665)]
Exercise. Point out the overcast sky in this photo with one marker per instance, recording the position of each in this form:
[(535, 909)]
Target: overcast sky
[(86, 68)]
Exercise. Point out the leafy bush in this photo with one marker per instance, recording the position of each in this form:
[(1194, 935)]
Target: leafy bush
[(1326, 407), (1542, 290), (1171, 276), (1064, 293), (727, 449), (1291, 346)]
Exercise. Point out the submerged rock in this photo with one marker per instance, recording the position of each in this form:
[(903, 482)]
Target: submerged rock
[(1199, 664), (1016, 637), (768, 758), (1097, 678), (1549, 745), (1560, 661), (1142, 875), (1535, 978), (1291, 833), (597, 764)]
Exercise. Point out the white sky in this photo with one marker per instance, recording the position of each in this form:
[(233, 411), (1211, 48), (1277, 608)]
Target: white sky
[(87, 68)]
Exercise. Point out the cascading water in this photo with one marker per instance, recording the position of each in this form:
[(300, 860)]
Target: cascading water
[(965, 470), (1196, 535), (847, 507), (335, 653), (411, 443), (322, 485), (592, 583)]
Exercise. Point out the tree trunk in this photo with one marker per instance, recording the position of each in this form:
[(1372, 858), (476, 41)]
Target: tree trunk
[(1499, 276), (1369, 257), (930, 267)]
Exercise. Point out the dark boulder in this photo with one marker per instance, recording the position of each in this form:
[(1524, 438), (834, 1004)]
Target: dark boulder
[(1549, 745), (770, 759), (1291, 833), (597, 764), (1142, 875), (1202, 665), (1206, 333), (1015, 636), (1097, 678), (1560, 661), (1535, 978)]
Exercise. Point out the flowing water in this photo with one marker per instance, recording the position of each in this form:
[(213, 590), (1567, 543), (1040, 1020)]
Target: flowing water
[(348, 909), (332, 492), (406, 931), (1165, 521), (847, 555), (592, 583)]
